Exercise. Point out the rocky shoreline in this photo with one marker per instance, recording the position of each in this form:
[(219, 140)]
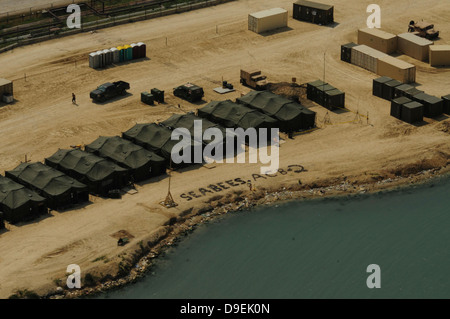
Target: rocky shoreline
[(237, 201)]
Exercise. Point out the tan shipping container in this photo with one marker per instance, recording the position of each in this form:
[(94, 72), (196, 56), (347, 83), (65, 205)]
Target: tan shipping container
[(366, 57), (377, 39), (439, 55), (396, 69), (267, 20), (414, 46), (6, 86)]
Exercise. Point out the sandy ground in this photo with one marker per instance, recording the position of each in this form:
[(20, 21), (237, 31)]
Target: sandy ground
[(43, 119)]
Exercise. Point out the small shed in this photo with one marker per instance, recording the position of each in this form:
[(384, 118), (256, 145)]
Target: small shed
[(309, 11)]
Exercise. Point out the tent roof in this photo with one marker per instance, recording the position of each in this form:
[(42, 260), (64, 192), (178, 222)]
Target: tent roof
[(14, 195), (188, 120), (95, 168), (274, 105), (45, 178), (123, 151), (231, 114)]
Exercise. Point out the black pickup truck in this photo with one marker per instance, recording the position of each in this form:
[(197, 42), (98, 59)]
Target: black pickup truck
[(109, 90), (190, 92)]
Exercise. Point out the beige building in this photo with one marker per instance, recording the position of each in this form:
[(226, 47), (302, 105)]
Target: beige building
[(414, 46), (6, 87), (267, 20), (377, 39), (439, 55), (396, 69)]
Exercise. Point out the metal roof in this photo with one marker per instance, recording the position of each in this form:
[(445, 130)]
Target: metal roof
[(316, 5)]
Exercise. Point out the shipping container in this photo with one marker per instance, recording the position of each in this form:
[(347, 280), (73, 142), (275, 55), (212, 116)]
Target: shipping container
[(412, 112), (432, 105), (314, 12), (320, 93), (311, 89), (334, 99), (158, 94), (414, 46), (446, 104), (377, 86), (366, 57), (396, 69), (147, 98), (396, 106), (401, 90), (439, 55), (346, 52), (267, 20), (411, 92), (388, 89), (378, 40)]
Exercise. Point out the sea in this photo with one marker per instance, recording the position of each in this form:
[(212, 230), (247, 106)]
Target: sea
[(392, 244)]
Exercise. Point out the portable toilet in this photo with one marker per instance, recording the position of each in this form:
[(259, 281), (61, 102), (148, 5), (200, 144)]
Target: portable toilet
[(142, 49), (108, 56), (135, 49), (101, 59), (115, 55), (121, 53), (129, 52), (93, 60)]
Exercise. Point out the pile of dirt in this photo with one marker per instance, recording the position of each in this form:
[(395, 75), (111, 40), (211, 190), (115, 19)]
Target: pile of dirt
[(291, 91)]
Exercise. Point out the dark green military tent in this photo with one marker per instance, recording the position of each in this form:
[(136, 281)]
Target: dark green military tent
[(19, 203), (233, 115), (188, 121), (142, 163), (157, 138), (291, 116), (99, 174), (59, 189)]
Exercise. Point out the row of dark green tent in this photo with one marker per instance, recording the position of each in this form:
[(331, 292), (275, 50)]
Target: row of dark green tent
[(143, 151)]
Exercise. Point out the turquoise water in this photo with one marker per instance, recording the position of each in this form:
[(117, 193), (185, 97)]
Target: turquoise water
[(314, 249)]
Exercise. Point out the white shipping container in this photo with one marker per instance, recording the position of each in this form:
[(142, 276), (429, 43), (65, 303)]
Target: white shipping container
[(366, 57), (267, 20)]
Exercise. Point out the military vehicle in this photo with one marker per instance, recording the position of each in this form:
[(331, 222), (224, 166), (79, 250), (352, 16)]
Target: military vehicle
[(424, 29), (109, 90), (253, 79), (189, 92)]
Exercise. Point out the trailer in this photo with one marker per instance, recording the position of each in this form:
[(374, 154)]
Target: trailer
[(313, 12)]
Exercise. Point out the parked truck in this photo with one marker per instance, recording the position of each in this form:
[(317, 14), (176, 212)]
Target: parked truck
[(254, 79), (189, 92), (109, 90)]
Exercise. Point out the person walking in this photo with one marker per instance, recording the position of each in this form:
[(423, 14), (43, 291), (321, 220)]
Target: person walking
[(74, 99)]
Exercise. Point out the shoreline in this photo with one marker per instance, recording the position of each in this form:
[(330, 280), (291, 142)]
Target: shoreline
[(143, 261)]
